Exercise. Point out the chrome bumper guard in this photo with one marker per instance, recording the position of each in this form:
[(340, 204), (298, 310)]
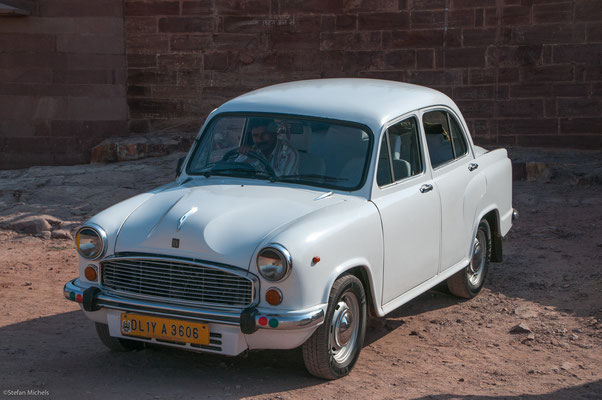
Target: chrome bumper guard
[(514, 215), (250, 319)]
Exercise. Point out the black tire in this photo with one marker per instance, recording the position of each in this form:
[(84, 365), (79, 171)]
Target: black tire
[(463, 283), (320, 354), (116, 344)]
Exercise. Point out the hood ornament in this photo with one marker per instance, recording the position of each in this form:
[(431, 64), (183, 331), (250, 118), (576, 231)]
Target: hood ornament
[(184, 217)]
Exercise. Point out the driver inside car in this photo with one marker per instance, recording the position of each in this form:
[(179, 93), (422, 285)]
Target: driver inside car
[(269, 143)]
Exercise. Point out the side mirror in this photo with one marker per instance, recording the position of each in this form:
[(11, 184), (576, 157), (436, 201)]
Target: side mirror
[(179, 167)]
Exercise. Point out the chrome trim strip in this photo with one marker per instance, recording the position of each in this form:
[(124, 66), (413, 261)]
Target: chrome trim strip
[(232, 318), (402, 181), (232, 270)]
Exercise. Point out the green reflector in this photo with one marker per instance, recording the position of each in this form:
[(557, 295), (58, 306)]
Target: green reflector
[(72, 296), (273, 323)]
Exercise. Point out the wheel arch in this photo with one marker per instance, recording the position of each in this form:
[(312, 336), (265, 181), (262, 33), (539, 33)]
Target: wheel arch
[(362, 272), (492, 216)]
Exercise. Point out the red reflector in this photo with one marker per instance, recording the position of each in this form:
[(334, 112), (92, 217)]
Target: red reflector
[(315, 260), (79, 298), (263, 321)]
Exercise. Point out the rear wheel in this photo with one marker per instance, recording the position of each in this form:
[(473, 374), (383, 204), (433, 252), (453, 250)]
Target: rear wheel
[(468, 282), (116, 344), (333, 349)]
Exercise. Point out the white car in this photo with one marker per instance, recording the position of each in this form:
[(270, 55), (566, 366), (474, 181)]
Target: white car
[(300, 209)]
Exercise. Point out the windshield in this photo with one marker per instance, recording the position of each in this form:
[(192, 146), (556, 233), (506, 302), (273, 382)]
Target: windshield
[(283, 149)]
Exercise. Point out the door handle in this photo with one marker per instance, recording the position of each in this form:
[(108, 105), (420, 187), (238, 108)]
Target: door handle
[(426, 188), (472, 166)]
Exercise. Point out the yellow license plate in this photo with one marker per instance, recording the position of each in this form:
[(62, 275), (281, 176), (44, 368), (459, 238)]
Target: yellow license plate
[(164, 329)]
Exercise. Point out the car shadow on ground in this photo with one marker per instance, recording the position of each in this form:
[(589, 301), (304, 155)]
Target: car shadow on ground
[(434, 299), (62, 354), (586, 391), (552, 254)]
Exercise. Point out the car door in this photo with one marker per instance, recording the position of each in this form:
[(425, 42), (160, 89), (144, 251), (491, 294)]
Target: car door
[(409, 208), (458, 182)]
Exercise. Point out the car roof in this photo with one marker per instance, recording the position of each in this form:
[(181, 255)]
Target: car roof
[(368, 101)]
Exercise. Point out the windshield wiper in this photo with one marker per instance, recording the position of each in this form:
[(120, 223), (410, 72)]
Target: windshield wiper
[(310, 176), (238, 171)]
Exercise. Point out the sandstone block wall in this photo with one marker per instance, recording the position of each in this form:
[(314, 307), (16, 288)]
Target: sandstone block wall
[(62, 80), (524, 72)]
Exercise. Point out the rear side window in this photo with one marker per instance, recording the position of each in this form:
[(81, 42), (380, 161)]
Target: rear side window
[(438, 139), (444, 137), (458, 140)]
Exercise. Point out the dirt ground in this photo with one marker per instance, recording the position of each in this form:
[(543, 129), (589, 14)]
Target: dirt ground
[(435, 347)]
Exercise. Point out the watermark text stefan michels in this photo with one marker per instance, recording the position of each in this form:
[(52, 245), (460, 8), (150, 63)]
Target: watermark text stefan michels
[(28, 392)]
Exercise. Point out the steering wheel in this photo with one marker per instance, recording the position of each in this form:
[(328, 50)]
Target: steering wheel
[(266, 164)]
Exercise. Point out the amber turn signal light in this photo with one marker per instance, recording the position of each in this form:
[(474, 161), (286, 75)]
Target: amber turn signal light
[(273, 296), (90, 273)]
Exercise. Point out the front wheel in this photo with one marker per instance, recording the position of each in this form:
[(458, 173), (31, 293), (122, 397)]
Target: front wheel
[(333, 349), (469, 281)]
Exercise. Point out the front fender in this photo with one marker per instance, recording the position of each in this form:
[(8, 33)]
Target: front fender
[(346, 235), (372, 289)]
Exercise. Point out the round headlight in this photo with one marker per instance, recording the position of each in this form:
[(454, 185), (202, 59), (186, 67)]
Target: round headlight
[(90, 242), (274, 262)]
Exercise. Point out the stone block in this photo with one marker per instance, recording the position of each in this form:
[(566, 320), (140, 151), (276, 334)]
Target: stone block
[(233, 7), (400, 39), (383, 21), (151, 8), (581, 107), (186, 24), (547, 73), (465, 57)]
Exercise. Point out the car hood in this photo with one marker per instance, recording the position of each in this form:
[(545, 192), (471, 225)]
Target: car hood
[(221, 223)]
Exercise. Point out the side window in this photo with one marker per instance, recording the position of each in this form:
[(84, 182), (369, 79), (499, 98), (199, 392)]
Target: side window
[(383, 172), (400, 155), (458, 138), (438, 139), (405, 149)]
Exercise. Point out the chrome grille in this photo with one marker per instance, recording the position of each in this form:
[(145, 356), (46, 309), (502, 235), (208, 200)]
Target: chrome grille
[(177, 281)]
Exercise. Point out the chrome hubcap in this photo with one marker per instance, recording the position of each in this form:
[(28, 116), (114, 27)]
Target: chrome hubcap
[(343, 331), (344, 328), (477, 262)]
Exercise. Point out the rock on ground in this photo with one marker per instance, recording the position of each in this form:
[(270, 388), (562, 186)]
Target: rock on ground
[(137, 147)]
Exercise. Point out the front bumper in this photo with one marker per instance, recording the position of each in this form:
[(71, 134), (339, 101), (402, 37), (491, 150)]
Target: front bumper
[(249, 320)]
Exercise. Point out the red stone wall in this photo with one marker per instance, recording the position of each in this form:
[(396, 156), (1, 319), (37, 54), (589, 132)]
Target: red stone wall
[(524, 72), (62, 80)]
